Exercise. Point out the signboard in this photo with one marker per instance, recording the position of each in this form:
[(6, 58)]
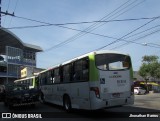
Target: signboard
[(24, 73)]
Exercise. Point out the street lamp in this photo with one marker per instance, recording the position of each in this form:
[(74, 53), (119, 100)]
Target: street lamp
[(151, 44)]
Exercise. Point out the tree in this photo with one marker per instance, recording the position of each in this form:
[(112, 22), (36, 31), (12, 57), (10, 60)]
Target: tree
[(144, 70), (153, 68), (157, 72), (150, 59), (150, 67)]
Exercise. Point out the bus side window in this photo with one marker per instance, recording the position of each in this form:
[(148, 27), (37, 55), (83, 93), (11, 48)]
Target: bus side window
[(40, 79), (52, 77), (67, 73), (48, 77), (61, 73), (56, 78), (44, 78), (85, 69), (81, 70)]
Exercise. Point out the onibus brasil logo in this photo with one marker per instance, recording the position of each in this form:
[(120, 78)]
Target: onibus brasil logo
[(17, 115)]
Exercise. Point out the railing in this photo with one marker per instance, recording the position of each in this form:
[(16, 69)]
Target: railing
[(31, 63), (4, 74)]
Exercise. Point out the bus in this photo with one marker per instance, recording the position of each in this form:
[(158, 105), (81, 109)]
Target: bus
[(31, 81), (92, 81)]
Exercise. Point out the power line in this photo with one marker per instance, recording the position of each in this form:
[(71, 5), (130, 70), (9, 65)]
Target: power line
[(139, 37), (13, 13), (118, 38), (105, 35), (75, 37), (84, 32), (7, 11), (126, 34), (143, 31), (118, 13), (50, 24), (133, 41), (93, 26), (60, 24), (90, 28)]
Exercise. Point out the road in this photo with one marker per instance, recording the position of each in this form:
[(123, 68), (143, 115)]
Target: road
[(149, 101), (144, 104)]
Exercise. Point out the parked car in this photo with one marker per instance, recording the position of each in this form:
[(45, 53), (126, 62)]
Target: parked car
[(19, 95), (139, 90)]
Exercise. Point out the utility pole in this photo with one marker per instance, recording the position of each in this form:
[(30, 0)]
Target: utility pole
[(0, 12), (5, 13)]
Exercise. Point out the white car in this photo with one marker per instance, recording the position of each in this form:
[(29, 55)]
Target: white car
[(139, 90)]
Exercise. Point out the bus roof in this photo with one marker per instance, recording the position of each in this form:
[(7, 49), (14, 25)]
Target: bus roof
[(93, 52), (82, 56)]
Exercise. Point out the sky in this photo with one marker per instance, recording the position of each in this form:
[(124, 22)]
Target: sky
[(143, 33)]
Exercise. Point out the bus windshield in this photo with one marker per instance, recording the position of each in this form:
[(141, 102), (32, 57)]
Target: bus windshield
[(112, 62)]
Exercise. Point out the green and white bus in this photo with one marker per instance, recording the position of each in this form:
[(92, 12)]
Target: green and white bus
[(31, 81), (93, 81)]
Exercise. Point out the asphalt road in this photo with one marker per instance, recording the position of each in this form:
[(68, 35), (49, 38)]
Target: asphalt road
[(149, 101), (144, 104)]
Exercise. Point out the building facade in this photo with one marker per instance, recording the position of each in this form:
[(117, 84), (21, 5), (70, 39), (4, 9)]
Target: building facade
[(14, 56)]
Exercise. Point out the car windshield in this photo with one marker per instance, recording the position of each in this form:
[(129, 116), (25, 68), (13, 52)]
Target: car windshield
[(112, 61), (17, 87)]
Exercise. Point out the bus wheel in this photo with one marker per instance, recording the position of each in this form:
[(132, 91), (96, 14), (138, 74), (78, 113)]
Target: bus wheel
[(67, 103)]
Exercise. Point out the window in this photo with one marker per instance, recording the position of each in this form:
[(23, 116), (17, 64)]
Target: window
[(81, 70), (48, 76), (67, 73), (57, 75), (112, 61), (43, 78)]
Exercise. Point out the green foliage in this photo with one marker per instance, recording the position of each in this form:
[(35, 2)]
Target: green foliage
[(157, 72), (144, 70), (150, 59), (150, 67)]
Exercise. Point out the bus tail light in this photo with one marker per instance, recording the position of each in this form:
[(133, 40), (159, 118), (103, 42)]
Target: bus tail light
[(96, 90)]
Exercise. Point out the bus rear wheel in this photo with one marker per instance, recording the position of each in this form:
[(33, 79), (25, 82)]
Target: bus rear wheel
[(67, 103)]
